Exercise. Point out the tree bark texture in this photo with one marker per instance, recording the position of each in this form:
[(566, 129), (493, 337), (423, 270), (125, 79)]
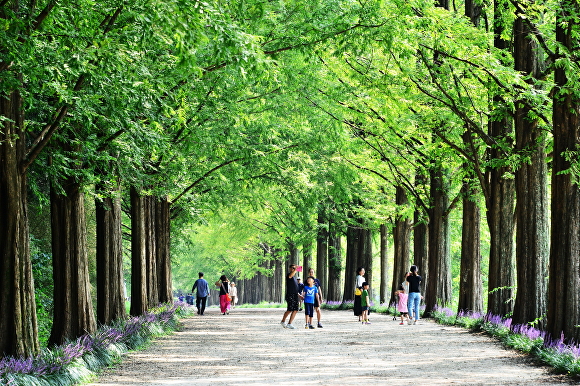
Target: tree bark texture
[(163, 237), (500, 196), (470, 284), (334, 264), (18, 322), (531, 192), (564, 294), (138, 257), (149, 231), (438, 292), (420, 234), (322, 251), (366, 255), (402, 241), (352, 262), (73, 314), (110, 280), (383, 252), (307, 259)]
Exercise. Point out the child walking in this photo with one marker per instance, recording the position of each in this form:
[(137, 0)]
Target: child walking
[(365, 303), (309, 294), (402, 304)]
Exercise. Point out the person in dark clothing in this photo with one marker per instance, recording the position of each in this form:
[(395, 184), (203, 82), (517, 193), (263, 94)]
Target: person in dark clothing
[(291, 298), (224, 284), (414, 294), (300, 289)]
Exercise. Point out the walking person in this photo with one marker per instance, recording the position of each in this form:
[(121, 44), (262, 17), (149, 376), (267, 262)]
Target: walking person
[(224, 285), (414, 294), (317, 299), (360, 279), (233, 294), (309, 294), (300, 289), (291, 297), (202, 293), (365, 303), (402, 305)]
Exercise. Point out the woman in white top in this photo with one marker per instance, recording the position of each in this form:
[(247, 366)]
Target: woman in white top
[(360, 279), (233, 294)]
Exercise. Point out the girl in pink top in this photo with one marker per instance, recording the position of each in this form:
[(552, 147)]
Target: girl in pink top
[(402, 304)]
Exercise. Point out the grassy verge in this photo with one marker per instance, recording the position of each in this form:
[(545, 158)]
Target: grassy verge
[(562, 356), (78, 361)]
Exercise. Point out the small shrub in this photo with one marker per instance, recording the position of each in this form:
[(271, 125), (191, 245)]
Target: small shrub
[(78, 361)]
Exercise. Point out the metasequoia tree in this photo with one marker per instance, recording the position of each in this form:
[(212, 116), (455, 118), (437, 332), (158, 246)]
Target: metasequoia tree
[(564, 298), (531, 184), (402, 242), (499, 189)]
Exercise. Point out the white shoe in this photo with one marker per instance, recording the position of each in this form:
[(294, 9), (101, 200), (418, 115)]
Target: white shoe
[(409, 322), (283, 324), (290, 326)]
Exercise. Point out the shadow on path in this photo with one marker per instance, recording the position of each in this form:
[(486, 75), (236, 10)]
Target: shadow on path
[(250, 347)]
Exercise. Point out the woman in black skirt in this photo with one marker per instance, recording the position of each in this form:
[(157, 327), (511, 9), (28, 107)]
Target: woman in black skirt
[(357, 298)]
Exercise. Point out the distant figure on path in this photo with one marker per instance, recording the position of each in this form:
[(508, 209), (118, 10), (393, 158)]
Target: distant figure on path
[(360, 279), (402, 306), (291, 298), (414, 294), (223, 284), (365, 303), (202, 293), (300, 289), (310, 293), (233, 294), (317, 299)]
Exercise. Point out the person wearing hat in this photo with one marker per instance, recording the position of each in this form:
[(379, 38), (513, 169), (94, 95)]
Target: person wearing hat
[(300, 289)]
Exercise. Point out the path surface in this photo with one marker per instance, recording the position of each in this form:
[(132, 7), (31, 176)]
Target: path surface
[(249, 347)]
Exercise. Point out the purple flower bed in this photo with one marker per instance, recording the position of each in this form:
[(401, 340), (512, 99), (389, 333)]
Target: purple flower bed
[(562, 354), (125, 334)]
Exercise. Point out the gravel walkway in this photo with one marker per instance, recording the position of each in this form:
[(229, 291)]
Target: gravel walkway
[(250, 347)]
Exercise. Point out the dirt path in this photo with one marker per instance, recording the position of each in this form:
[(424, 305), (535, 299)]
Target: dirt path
[(249, 347)]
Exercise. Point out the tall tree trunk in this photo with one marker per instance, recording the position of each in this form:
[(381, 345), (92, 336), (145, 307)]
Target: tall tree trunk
[(402, 240), (564, 294), (384, 248), (420, 234), (138, 259), (163, 235), (334, 263), (307, 254), (366, 255), (73, 314), (352, 262), (110, 281), (500, 195), (151, 250), (470, 284), (293, 254), (322, 250), (279, 277), (18, 323), (439, 276), (531, 192)]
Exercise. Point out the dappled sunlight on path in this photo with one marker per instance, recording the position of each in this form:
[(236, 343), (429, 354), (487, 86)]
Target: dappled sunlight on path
[(249, 347)]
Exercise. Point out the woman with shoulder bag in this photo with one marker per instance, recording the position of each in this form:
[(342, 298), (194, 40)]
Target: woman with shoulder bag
[(360, 279), (225, 299)]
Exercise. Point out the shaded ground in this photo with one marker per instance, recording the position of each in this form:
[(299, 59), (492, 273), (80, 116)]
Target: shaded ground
[(250, 347)]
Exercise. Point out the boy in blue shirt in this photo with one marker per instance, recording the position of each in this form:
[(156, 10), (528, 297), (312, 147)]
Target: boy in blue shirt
[(309, 294)]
